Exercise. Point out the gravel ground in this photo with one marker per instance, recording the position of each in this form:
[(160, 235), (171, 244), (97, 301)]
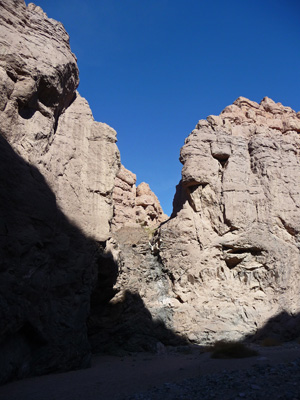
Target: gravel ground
[(180, 373), (281, 381)]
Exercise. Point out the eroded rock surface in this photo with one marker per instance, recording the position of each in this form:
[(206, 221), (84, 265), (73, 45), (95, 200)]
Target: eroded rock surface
[(232, 246), (48, 123), (136, 318), (58, 168), (134, 206), (224, 264)]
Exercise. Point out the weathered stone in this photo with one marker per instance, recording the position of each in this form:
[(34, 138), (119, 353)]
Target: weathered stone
[(224, 264), (47, 272), (232, 246), (58, 168), (81, 165), (134, 206), (124, 195)]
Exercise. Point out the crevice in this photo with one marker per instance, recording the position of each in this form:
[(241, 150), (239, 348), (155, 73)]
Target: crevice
[(179, 299), (222, 158), (290, 230), (26, 112), (231, 249), (194, 192), (168, 273), (233, 262)]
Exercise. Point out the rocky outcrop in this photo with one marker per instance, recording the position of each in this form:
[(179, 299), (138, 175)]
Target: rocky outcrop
[(135, 319), (231, 248), (76, 234), (147, 207), (48, 123), (134, 206), (58, 168)]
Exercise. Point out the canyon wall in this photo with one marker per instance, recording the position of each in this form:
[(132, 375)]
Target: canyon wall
[(64, 193), (225, 265), (231, 248), (58, 168), (81, 245)]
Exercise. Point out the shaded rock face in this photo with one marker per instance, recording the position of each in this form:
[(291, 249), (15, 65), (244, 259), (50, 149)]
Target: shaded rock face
[(136, 318), (58, 168), (134, 206), (46, 275), (232, 246)]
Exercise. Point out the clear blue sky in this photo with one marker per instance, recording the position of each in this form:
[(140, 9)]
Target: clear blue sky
[(152, 68)]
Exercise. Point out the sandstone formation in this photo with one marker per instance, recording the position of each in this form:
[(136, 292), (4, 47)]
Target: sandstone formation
[(134, 206), (231, 248), (58, 168)]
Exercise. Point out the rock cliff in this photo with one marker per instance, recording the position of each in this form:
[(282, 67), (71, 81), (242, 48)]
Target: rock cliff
[(81, 245), (58, 168), (231, 248), (63, 194), (225, 265), (48, 123)]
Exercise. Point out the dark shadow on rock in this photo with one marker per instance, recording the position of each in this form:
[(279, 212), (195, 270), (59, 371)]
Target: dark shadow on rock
[(128, 326), (51, 274), (106, 277), (283, 327), (46, 276), (179, 199)]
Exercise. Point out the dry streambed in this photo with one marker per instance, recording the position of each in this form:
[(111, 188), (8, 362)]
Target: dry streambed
[(183, 373)]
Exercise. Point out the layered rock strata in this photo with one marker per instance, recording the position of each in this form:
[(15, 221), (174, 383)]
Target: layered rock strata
[(231, 248), (58, 168)]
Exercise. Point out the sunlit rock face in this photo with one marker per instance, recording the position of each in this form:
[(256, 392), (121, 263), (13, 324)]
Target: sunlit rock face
[(134, 206), (232, 246), (48, 123), (57, 174)]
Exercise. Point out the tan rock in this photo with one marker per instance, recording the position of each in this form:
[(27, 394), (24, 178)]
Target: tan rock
[(81, 165), (58, 168), (124, 197), (232, 247), (134, 206)]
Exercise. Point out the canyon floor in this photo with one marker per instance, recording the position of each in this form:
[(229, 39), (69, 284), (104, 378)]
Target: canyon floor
[(176, 373)]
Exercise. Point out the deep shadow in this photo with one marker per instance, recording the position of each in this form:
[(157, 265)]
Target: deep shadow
[(128, 326), (283, 327), (51, 275), (180, 197), (47, 269)]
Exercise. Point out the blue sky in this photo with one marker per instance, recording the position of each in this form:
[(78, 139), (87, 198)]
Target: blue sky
[(152, 68)]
